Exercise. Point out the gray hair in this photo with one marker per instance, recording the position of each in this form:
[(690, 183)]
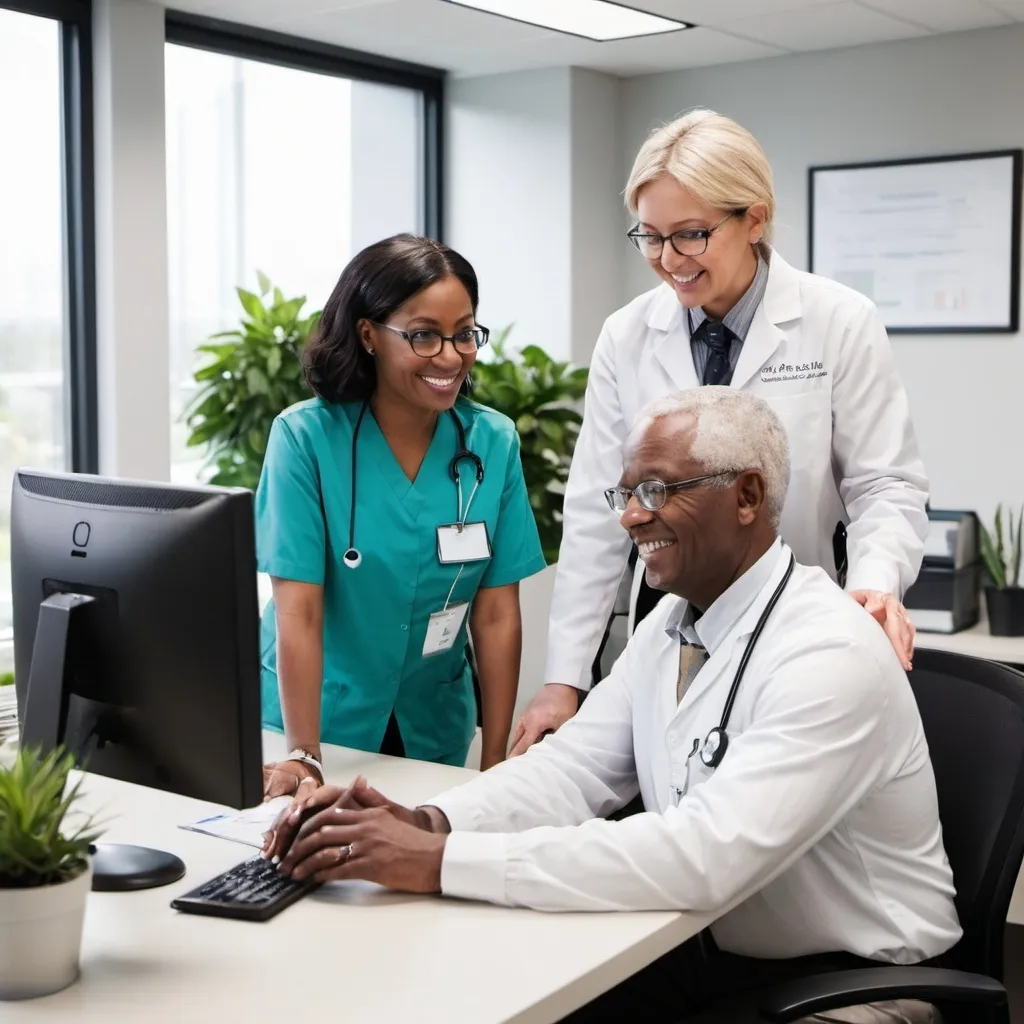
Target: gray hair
[(735, 431)]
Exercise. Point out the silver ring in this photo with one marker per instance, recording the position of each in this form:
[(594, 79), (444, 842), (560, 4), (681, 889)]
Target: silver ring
[(345, 852)]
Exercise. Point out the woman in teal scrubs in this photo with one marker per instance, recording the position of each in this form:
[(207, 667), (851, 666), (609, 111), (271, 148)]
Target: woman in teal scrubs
[(383, 547)]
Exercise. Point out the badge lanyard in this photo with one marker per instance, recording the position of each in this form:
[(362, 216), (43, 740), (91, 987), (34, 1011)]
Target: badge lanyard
[(459, 542)]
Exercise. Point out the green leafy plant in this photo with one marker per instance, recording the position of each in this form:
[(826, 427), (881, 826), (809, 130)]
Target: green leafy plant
[(34, 802), (1002, 556), (251, 374), (7, 679), (541, 396)]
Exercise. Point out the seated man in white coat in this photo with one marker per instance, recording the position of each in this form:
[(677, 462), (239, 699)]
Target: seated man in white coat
[(806, 816)]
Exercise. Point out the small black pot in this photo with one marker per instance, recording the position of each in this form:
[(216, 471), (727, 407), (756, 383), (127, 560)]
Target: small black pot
[(1005, 610)]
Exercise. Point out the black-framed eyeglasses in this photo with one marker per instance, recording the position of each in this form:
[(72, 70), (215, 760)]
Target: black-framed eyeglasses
[(652, 493), (427, 343), (688, 242)]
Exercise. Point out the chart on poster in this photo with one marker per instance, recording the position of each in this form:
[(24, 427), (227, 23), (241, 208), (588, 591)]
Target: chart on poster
[(934, 243)]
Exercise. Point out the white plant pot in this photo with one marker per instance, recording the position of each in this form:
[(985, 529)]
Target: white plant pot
[(41, 937)]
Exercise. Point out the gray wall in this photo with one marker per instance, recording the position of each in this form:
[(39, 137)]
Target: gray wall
[(508, 196), (533, 201), (921, 97)]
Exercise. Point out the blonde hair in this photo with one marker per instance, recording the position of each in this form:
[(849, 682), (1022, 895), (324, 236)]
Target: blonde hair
[(719, 161), (735, 431)]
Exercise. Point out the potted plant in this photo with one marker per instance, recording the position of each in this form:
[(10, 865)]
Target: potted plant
[(8, 713), (45, 875), (541, 397), (251, 374), (1001, 556)]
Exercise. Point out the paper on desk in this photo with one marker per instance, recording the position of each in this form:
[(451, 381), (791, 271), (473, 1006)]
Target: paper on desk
[(246, 826)]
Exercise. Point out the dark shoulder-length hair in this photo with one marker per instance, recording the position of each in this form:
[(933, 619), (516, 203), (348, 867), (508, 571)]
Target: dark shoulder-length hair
[(374, 284)]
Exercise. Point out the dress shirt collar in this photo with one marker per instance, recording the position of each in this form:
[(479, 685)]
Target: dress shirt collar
[(711, 628), (741, 316)]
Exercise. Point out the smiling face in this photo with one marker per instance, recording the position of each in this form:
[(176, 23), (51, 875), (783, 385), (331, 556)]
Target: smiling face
[(430, 383), (701, 539), (717, 279)]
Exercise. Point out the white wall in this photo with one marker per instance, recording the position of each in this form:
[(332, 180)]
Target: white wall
[(131, 240), (531, 199), (507, 199), (921, 97), (598, 246)]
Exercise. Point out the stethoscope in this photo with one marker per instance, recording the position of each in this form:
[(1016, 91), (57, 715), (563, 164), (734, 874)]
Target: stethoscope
[(353, 558), (717, 740)]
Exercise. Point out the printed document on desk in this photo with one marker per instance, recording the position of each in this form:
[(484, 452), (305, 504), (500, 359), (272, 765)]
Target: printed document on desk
[(246, 826)]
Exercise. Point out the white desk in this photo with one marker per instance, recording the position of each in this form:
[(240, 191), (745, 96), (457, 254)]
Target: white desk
[(976, 642), (349, 952)]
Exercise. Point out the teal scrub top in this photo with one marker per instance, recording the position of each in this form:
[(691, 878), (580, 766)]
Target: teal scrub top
[(375, 616)]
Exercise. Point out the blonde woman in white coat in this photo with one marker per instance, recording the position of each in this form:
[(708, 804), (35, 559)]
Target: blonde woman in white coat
[(730, 310)]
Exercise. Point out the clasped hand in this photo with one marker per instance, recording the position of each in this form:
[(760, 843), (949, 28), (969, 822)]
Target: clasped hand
[(355, 832)]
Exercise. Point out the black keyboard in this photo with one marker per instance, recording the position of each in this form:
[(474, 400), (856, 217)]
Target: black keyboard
[(253, 890)]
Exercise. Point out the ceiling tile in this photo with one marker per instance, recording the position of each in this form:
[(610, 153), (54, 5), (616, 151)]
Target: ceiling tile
[(260, 11), (509, 46), (1014, 8), (698, 47), (724, 13), (942, 15), (468, 42), (824, 27), (424, 26)]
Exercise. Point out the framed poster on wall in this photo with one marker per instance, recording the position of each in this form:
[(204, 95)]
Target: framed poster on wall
[(933, 242)]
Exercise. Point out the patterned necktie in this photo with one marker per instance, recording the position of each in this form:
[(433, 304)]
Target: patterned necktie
[(691, 661), (718, 339)]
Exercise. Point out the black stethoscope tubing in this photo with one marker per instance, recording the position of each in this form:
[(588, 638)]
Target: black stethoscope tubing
[(717, 740), (352, 557)]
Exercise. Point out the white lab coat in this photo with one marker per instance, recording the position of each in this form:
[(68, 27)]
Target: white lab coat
[(820, 826), (818, 353)]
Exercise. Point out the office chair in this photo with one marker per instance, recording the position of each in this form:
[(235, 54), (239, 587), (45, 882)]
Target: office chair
[(973, 715)]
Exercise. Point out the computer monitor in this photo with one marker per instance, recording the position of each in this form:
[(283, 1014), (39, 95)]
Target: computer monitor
[(136, 640)]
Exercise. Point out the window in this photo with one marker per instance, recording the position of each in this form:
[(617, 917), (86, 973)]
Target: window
[(47, 396), (281, 170)]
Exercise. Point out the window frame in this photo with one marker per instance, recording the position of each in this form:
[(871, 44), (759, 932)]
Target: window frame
[(79, 221), (235, 40)]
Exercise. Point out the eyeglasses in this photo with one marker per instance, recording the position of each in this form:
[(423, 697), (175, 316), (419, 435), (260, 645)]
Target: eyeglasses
[(652, 493), (430, 343), (688, 242)]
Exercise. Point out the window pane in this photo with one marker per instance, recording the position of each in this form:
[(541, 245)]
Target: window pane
[(33, 419), (276, 170)]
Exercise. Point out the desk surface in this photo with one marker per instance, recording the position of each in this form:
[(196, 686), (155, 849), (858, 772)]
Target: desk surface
[(352, 951), (976, 642)]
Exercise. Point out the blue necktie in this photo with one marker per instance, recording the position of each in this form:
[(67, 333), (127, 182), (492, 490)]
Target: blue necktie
[(718, 339)]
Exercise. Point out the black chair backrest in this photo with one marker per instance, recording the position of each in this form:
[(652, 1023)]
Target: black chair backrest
[(973, 715)]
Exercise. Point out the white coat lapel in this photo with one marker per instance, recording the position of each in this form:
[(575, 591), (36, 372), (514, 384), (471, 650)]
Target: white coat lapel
[(781, 304), (672, 345)]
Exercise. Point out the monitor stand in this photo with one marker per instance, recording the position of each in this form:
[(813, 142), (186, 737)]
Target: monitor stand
[(120, 868), (116, 867)]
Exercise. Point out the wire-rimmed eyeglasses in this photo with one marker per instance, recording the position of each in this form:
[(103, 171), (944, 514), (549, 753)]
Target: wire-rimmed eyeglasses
[(687, 242), (653, 493), (427, 343)]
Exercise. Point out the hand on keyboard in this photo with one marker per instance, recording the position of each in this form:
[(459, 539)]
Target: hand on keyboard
[(253, 890)]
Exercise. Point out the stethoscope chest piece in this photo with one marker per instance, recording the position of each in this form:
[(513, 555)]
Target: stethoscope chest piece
[(717, 740), (715, 744), (352, 558)]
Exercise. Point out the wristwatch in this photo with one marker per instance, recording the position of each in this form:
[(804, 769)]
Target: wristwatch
[(298, 754)]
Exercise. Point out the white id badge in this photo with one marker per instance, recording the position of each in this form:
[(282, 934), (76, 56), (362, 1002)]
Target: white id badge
[(468, 544), (442, 629)]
